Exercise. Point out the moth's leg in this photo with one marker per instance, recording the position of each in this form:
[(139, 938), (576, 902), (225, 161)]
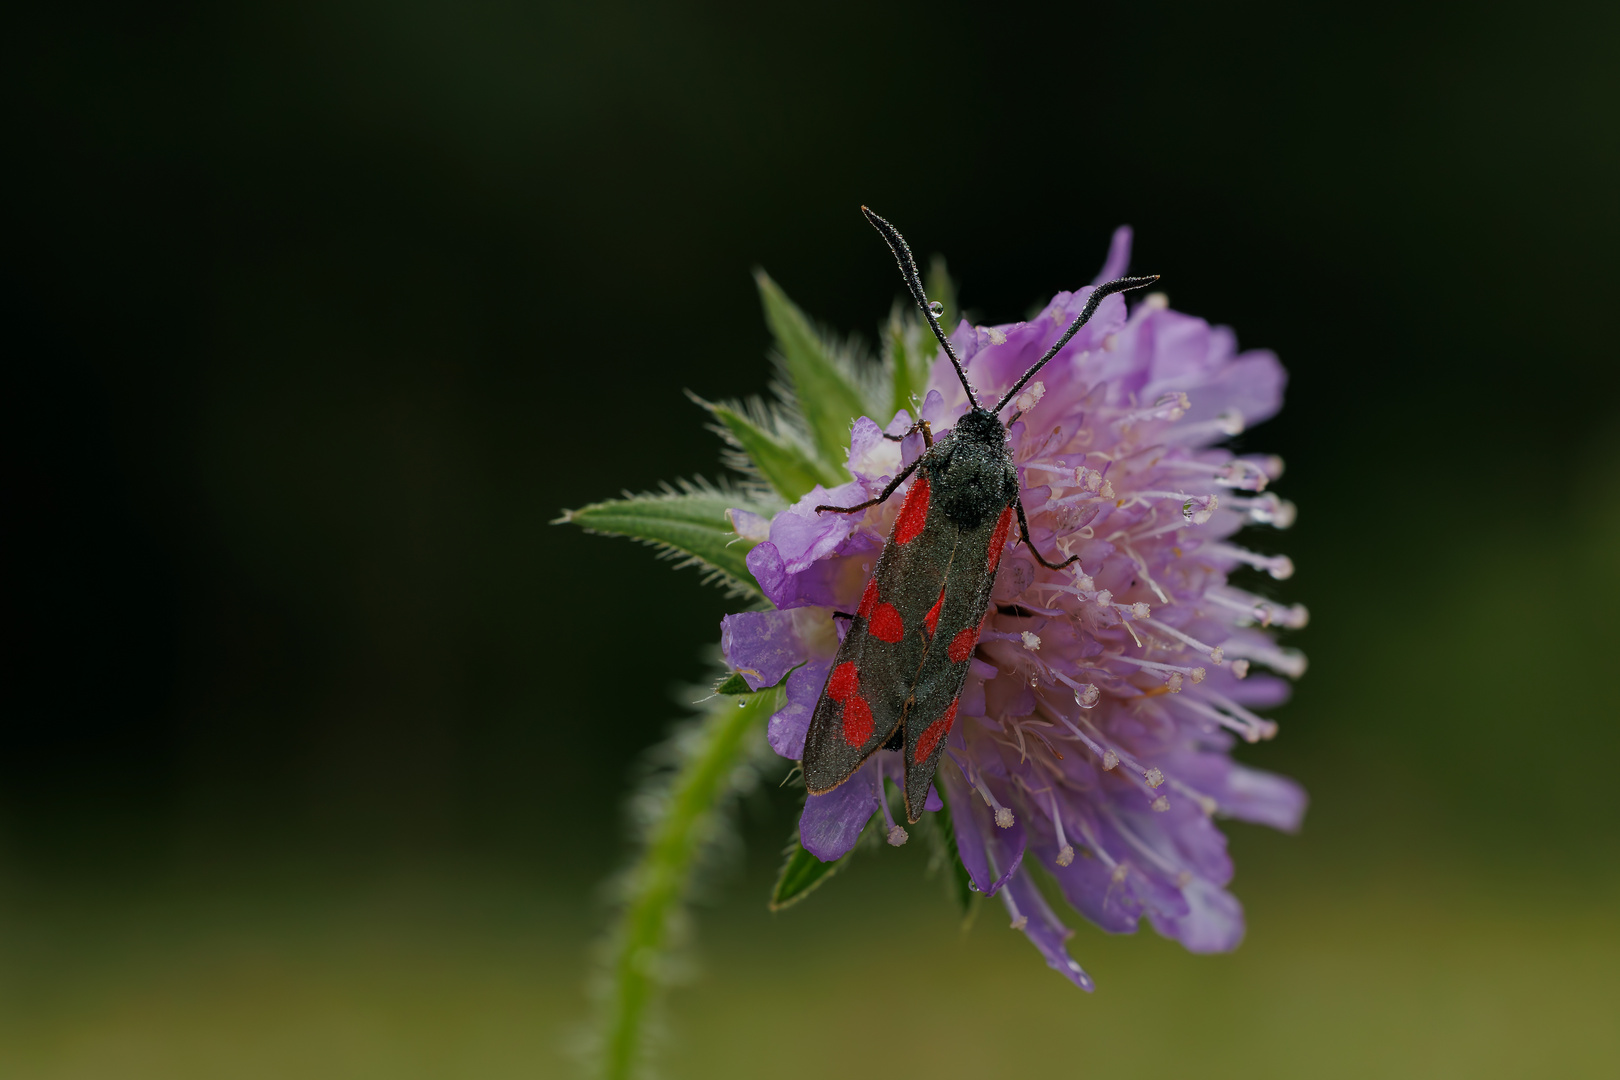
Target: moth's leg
[(922, 426), (896, 482), (1023, 528)]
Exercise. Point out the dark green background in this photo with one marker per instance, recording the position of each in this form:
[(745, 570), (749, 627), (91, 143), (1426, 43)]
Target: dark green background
[(315, 732)]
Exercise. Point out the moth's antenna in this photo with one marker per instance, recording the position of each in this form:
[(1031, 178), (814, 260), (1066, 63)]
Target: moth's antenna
[(908, 270), (1106, 289)]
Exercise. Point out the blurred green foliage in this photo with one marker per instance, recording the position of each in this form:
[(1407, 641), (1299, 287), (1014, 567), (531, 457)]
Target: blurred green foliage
[(318, 314)]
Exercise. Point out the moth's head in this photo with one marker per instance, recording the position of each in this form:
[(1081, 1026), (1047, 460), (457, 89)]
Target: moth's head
[(980, 425)]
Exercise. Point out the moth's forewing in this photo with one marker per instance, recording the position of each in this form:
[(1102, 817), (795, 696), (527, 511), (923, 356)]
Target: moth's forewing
[(930, 712), (877, 663)]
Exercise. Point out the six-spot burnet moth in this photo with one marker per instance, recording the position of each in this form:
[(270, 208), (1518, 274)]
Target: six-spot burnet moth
[(900, 669)]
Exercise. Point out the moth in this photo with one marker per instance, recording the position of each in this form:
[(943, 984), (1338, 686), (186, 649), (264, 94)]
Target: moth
[(898, 676)]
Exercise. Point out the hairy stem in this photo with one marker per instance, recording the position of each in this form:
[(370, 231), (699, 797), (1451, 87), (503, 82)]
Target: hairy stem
[(709, 766)]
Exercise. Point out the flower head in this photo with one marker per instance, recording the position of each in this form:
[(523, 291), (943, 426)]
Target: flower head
[(1104, 699)]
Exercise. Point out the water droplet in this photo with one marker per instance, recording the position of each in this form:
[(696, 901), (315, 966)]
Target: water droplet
[(936, 309)]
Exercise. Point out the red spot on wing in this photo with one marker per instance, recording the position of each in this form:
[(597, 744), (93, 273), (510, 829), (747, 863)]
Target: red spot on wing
[(998, 539), (935, 732), (914, 514), (961, 646), (931, 620), (868, 598), (841, 685), (885, 624), (857, 721)]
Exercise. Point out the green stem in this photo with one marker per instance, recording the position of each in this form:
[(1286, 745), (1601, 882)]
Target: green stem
[(705, 775)]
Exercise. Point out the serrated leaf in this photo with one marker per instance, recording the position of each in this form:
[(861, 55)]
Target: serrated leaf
[(946, 856), (691, 522), (800, 875), (828, 393), (734, 684), (783, 463)]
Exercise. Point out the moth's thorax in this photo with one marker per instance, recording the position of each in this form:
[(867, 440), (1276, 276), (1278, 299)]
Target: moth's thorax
[(970, 470)]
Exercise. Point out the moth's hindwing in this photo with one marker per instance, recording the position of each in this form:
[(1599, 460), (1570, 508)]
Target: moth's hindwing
[(863, 703), (929, 712)]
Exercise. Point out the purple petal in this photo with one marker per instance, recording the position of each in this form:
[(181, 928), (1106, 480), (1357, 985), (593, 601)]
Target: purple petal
[(1090, 887), (1213, 923), (1031, 914), (769, 569), (990, 854), (749, 525), (1119, 256), (1254, 692), (1263, 798), (788, 725), (762, 646), (934, 411), (933, 802), (831, 823), (1252, 384), (871, 456), (801, 536)]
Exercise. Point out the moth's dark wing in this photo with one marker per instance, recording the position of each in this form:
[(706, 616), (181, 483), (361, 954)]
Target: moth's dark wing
[(872, 677), (930, 712)]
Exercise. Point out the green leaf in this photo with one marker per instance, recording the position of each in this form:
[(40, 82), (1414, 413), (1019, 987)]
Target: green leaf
[(942, 289), (780, 460), (828, 392), (734, 684), (800, 875), (689, 524), (909, 350), (945, 856)]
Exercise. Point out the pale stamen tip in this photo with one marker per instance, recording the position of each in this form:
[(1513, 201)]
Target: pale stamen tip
[(1110, 759), (1030, 397), (1154, 777), (1065, 857), (1004, 818), (1199, 674), (1032, 641), (898, 835), (1240, 668), (1162, 803), (1020, 922)]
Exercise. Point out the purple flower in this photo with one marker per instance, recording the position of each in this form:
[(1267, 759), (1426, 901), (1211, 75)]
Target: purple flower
[(1096, 728)]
